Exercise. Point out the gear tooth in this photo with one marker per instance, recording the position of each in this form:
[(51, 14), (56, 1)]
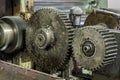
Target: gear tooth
[(105, 64), (72, 34), (66, 21), (63, 18), (111, 46), (70, 41), (68, 24), (70, 45), (109, 39), (107, 36), (108, 62), (102, 31), (69, 27), (110, 43), (100, 66), (111, 51), (62, 14), (71, 30), (110, 57), (97, 68), (70, 38), (106, 33)]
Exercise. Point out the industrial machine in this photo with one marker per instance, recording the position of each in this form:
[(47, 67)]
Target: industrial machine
[(61, 46)]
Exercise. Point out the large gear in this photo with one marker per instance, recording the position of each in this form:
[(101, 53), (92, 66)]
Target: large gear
[(94, 47), (49, 39)]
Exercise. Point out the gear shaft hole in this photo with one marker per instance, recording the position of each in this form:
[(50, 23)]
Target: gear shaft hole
[(88, 48)]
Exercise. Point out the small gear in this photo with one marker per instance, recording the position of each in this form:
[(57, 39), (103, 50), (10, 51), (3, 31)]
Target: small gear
[(49, 39), (94, 47)]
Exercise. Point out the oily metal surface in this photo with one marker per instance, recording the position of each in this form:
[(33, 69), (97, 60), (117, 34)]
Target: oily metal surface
[(57, 54), (105, 47)]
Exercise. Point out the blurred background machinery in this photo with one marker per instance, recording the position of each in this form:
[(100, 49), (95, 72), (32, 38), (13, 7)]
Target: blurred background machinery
[(20, 7)]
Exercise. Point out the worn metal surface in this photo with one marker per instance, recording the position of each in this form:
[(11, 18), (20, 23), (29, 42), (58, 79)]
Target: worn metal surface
[(56, 55), (22, 6), (10, 71), (94, 47)]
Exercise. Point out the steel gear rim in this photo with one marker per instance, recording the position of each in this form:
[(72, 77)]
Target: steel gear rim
[(110, 49), (67, 53)]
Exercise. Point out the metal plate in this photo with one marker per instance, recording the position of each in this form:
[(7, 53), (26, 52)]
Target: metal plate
[(12, 72)]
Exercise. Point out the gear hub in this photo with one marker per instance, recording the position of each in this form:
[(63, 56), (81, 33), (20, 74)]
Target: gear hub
[(44, 37), (88, 48)]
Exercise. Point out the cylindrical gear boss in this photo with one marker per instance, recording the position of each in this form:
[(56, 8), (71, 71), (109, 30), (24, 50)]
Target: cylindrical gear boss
[(11, 33)]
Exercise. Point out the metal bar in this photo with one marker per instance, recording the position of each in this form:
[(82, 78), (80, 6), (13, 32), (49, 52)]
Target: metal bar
[(10, 71)]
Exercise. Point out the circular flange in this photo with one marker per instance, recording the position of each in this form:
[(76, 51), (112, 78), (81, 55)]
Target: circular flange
[(12, 28), (6, 34)]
